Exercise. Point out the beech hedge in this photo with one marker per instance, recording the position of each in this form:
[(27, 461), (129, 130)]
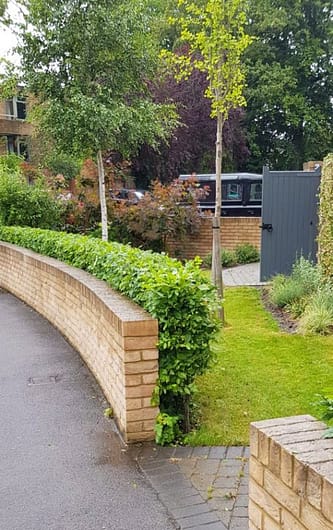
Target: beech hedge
[(179, 296)]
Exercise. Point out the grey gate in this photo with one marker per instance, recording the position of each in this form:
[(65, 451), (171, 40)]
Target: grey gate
[(289, 219)]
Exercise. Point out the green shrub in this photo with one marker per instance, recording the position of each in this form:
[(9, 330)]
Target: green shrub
[(64, 165), (307, 274), (10, 163), (318, 313), (207, 261), (285, 291), (26, 205), (247, 253), (228, 258), (178, 296), (292, 291), (326, 408)]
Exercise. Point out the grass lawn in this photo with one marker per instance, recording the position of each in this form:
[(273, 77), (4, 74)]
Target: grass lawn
[(260, 372)]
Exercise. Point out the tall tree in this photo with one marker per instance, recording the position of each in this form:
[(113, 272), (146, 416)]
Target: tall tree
[(290, 83), (191, 147), (215, 35), (88, 63)]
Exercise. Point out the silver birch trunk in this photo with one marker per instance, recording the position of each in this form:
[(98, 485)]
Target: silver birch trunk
[(102, 199), (216, 251)]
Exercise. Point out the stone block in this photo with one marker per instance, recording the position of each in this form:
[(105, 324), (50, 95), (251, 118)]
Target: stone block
[(255, 514), (256, 471), (270, 524), (289, 522), (327, 500), (286, 471), (314, 489), (313, 519), (262, 498), (281, 493)]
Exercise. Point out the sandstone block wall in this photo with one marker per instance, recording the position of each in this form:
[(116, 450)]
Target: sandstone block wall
[(115, 337), (291, 475), (234, 231)]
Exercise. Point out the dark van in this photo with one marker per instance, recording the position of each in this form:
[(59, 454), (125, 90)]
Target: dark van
[(241, 193)]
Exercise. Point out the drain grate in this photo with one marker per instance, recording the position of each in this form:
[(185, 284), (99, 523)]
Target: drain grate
[(47, 380)]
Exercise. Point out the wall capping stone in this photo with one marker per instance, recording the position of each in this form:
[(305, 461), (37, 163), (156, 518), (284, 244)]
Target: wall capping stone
[(115, 337), (291, 475)]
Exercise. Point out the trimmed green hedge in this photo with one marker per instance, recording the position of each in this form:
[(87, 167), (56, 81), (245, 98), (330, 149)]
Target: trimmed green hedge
[(178, 296)]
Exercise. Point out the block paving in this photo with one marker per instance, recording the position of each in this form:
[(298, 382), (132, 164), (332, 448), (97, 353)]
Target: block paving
[(203, 488)]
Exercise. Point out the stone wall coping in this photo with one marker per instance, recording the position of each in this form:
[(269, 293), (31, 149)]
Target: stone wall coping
[(301, 437), (123, 308)]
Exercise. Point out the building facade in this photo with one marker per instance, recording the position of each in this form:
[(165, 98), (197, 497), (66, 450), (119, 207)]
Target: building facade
[(14, 129)]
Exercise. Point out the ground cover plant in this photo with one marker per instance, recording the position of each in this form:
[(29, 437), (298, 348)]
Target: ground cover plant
[(179, 296), (243, 253), (307, 296), (260, 372)]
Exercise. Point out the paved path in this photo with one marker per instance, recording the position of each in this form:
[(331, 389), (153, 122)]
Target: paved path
[(242, 275), (204, 488), (63, 466)]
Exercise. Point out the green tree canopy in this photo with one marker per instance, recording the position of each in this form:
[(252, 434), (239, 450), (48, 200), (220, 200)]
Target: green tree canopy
[(290, 82), (88, 63)]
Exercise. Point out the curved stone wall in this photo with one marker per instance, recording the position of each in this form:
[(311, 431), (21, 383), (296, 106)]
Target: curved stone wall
[(116, 338)]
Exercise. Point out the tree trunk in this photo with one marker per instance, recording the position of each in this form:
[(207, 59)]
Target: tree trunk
[(216, 251), (102, 199)]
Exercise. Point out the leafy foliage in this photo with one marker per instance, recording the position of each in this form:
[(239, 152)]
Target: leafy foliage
[(325, 239), (88, 66), (304, 280), (326, 406), (177, 295), (166, 428), (215, 36), (244, 253), (23, 204), (290, 82), (192, 145), (167, 211), (247, 253), (318, 313), (64, 165)]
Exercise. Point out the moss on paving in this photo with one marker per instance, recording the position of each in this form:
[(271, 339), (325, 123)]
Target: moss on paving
[(260, 372)]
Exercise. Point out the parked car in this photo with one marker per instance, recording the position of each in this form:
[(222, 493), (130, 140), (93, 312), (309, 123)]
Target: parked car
[(128, 196)]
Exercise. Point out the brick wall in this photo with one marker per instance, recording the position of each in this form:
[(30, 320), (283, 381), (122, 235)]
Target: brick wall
[(15, 127), (116, 338), (291, 475), (234, 231)]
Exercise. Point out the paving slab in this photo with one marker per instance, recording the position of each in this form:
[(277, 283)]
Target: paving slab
[(216, 488), (248, 274)]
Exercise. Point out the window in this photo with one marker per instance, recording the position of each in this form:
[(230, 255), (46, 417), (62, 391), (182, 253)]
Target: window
[(256, 191), (18, 146), (231, 191), (16, 108)]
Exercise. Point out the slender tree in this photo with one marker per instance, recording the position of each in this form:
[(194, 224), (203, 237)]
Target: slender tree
[(214, 31), (88, 63)]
